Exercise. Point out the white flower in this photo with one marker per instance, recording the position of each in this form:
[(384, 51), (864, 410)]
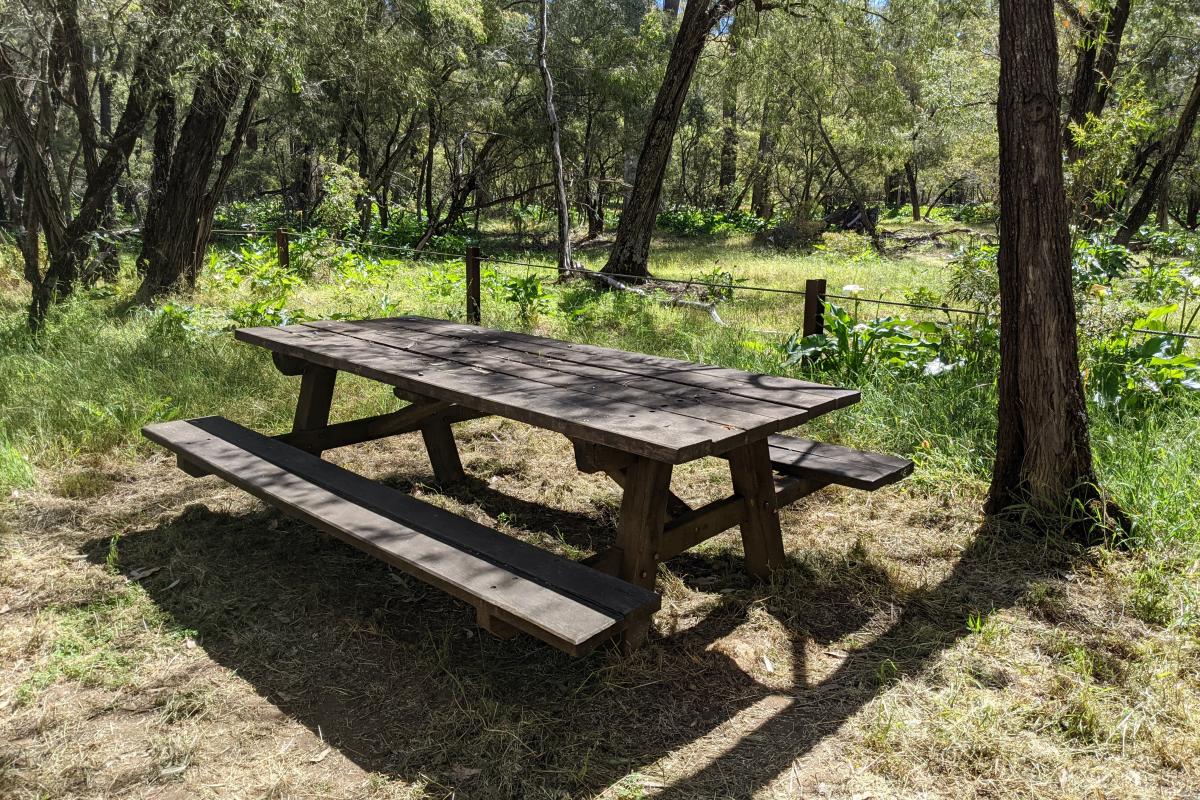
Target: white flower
[(853, 288)]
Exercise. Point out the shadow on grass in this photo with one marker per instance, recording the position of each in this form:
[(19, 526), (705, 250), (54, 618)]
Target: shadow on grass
[(396, 676)]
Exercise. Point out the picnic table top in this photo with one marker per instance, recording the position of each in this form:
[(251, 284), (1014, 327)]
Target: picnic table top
[(662, 408)]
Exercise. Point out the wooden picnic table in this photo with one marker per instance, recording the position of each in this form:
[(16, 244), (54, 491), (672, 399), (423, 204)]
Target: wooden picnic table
[(630, 415)]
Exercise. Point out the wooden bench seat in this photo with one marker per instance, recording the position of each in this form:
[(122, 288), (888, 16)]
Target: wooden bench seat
[(513, 585), (831, 463)]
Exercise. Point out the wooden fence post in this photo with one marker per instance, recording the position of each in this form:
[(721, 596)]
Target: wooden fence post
[(814, 306), (281, 248), (473, 285)]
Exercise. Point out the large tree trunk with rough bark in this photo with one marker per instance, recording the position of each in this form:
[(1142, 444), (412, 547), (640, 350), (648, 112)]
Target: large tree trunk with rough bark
[(1158, 176), (1043, 453), (177, 232), (632, 246)]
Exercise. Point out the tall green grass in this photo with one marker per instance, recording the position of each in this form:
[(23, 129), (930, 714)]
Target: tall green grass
[(98, 372)]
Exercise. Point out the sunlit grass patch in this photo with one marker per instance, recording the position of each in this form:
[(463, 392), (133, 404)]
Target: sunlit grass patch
[(101, 643)]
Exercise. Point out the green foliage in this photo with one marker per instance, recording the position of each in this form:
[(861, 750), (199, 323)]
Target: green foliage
[(263, 214), (338, 209), (848, 346), (685, 221), (1130, 370), (529, 295), (1098, 260), (718, 285), (15, 471), (976, 213)]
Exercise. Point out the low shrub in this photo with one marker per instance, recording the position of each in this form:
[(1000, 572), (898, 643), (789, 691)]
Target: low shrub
[(683, 221)]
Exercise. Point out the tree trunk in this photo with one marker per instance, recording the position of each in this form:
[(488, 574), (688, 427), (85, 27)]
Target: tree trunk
[(1095, 62), (177, 232), (1192, 216), (68, 239), (565, 262), (162, 148), (729, 125), (632, 246), (914, 199), (1158, 176), (852, 186), (1043, 453), (760, 192)]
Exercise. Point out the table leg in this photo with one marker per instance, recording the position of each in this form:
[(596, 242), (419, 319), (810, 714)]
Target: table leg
[(316, 396), (762, 540), (639, 530), (443, 452)]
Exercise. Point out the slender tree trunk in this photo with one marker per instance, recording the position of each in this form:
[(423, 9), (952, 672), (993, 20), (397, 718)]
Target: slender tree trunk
[(565, 261), (631, 249), (914, 199), (1192, 216), (729, 124), (1095, 62), (760, 192), (852, 185), (1158, 176), (1043, 453), (162, 149)]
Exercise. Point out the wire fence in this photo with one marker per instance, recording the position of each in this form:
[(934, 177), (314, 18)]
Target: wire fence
[(417, 253)]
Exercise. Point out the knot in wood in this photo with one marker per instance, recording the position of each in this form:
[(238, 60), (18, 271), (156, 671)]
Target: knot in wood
[(1037, 108)]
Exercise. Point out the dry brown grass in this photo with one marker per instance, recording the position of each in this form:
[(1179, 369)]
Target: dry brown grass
[(901, 654)]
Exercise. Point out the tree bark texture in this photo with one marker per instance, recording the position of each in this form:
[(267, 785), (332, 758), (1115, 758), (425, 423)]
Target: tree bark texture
[(1043, 453), (1095, 61), (176, 234)]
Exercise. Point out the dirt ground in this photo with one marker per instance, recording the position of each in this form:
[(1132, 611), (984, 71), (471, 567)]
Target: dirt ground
[(168, 637)]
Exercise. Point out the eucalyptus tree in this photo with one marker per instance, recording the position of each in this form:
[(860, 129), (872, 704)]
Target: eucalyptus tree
[(229, 54), (631, 249), (51, 54), (1043, 458)]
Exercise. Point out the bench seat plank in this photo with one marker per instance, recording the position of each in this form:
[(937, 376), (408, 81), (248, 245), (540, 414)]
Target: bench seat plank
[(561, 602), (836, 464)]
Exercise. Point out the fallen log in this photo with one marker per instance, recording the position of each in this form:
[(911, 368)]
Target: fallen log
[(711, 308)]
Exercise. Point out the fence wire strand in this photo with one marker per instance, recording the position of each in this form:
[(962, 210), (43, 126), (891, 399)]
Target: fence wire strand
[(486, 259)]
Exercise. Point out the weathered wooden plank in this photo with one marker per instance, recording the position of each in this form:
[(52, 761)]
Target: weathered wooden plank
[(688, 530), (559, 601), (836, 464), (775, 389), (762, 540), (789, 489), (580, 415), (367, 429), (460, 345), (694, 416)]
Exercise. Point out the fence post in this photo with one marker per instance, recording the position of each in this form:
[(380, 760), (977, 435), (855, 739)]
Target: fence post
[(473, 285), (814, 306), (281, 248)]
